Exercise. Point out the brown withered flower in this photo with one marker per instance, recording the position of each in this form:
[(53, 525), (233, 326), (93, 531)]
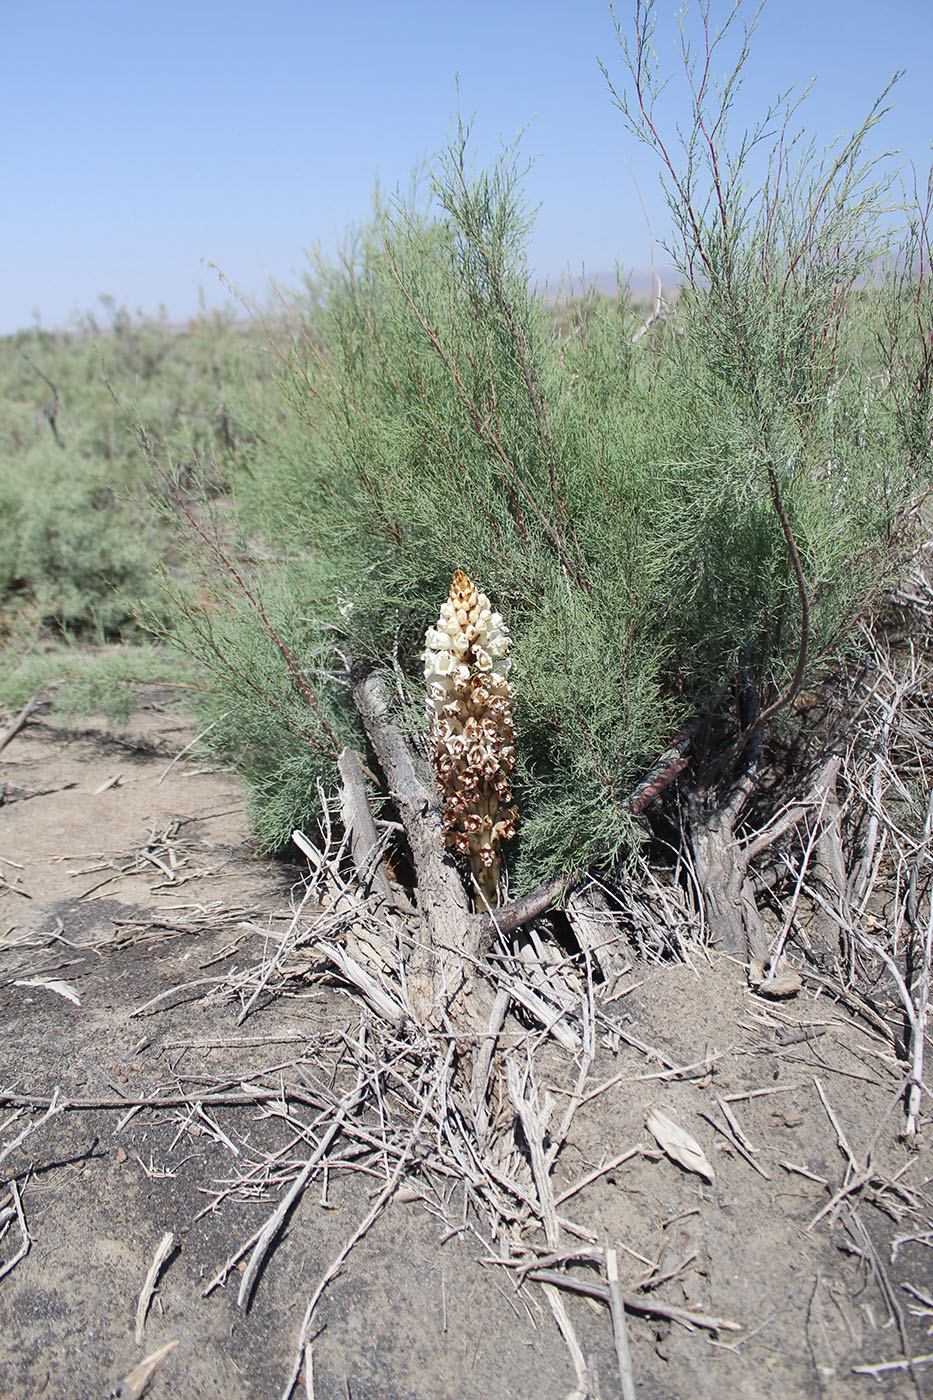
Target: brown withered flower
[(466, 667)]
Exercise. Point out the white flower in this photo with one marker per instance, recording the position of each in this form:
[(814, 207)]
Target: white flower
[(444, 663)]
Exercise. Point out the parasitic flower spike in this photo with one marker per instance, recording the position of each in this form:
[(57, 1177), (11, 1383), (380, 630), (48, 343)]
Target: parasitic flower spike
[(466, 667)]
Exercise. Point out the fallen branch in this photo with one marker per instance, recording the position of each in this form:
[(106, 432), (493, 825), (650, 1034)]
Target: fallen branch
[(647, 1307), (11, 731)]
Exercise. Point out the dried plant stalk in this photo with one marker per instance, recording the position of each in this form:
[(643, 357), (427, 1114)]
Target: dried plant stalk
[(470, 705)]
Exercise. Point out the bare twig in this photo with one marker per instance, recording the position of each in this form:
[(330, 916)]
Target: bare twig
[(165, 1247), (52, 1108), (272, 1226), (12, 729), (619, 1329), (634, 1302)]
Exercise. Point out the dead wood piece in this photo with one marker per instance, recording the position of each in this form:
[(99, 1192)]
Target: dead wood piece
[(12, 729), (134, 1386), (274, 1224), (366, 1223), (597, 931), (723, 870), (735, 925), (436, 975), (382, 1001), (532, 905), (25, 1239), (243, 1099), (482, 1064), (358, 820), (619, 1330), (634, 1302), (165, 1248)]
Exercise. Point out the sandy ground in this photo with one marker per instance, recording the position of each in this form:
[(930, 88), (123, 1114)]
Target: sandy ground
[(129, 899)]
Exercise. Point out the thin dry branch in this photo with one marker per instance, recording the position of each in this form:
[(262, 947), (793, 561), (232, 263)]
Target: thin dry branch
[(634, 1302), (165, 1247), (21, 719)]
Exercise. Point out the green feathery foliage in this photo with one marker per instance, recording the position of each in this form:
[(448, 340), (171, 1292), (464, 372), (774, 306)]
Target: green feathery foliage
[(632, 504), (78, 545)]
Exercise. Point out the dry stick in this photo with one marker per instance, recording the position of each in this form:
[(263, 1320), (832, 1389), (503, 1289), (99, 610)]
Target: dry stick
[(534, 1126), (733, 1121), (795, 900), (440, 964), (11, 731), (219, 1100), (855, 1178), (387, 1006), (600, 1171), (361, 1229), (576, 1099), (196, 740), (221, 1275), (134, 1386), (860, 878), (357, 818), (551, 1017), (166, 1246), (52, 1107), (584, 1254), (864, 1248), (482, 1063), (619, 1329), (734, 1140), (633, 1301), (556, 1304), (794, 812), (512, 916), (884, 1366), (25, 1241), (918, 1024), (282, 949), (671, 1072), (272, 1226), (147, 1007)]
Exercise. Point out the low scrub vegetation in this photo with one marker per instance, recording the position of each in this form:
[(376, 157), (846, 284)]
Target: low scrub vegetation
[(79, 545)]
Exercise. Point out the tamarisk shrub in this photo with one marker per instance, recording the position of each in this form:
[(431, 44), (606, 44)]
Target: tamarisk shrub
[(470, 709)]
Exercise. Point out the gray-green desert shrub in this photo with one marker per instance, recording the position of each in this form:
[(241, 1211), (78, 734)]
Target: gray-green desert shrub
[(79, 546), (672, 522)]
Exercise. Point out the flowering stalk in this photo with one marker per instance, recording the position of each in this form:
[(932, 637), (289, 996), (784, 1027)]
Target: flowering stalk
[(470, 707)]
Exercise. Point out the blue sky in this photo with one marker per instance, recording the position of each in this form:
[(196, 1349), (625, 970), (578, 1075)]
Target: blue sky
[(140, 139)]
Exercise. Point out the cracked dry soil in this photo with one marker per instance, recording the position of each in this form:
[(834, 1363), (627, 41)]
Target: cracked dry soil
[(127, 902)]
